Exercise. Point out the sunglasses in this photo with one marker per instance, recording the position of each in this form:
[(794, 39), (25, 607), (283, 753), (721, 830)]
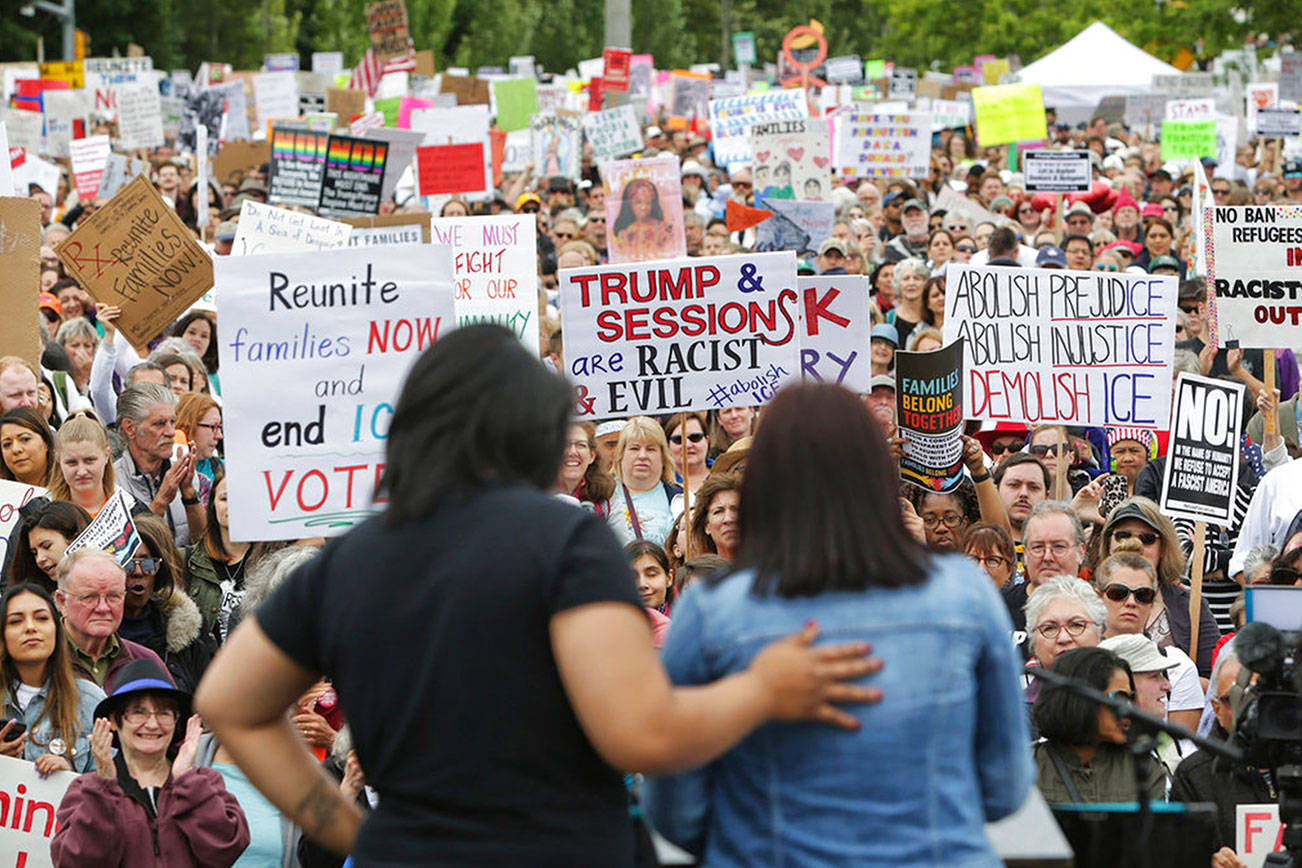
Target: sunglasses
[(143, 566), (1001, 448), (1102, 267), (695, 437), (1124, 695), (565, 235), (965, 248), (1189, 308), (1220, 192), (1118, 593), (530, 209), (1041, 451), (1146, 537)]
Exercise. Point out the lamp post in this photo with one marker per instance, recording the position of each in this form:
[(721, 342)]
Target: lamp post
[(66, 12)]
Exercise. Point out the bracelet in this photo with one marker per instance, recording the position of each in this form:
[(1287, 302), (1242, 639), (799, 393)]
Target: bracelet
[(982, 477), (194, 501)]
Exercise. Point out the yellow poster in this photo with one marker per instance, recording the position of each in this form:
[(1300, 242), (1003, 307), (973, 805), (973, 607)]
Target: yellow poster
[(65, 70), (1008, 113)]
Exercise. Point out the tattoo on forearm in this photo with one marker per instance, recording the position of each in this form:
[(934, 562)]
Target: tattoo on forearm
[(316, 813)]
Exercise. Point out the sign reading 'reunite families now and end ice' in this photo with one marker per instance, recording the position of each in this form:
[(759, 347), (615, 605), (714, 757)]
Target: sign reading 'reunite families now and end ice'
[(682, 334), (315, 347), (1255, 265), (1072, 347)]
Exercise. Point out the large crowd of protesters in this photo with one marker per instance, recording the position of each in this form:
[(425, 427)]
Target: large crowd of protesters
[(101, 657)]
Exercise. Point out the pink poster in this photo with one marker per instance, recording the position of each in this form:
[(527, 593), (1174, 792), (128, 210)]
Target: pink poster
[(644, 209)]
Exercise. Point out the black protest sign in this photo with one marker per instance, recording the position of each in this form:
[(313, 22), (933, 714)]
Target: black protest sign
[(929, 413), (298, 160), (353, 177), (1202, 465)]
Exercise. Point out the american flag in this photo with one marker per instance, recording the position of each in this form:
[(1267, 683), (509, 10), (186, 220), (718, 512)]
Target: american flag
[(368, 73)]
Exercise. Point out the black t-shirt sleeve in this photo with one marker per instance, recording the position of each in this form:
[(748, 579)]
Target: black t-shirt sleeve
[(592, 569), (291, 614)]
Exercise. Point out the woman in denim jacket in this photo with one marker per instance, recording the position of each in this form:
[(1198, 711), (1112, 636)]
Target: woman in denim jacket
[(946, 749), (40, 690)]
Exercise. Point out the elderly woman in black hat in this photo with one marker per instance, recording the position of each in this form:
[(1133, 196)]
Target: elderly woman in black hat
[(149, 805)]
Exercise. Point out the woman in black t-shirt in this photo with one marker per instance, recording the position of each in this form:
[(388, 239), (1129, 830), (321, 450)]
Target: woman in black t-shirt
[(488, 646)]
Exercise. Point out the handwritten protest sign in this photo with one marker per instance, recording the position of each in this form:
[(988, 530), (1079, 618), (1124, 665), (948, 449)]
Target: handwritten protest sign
[(275, 95), (444, 169), (137, 254), (1202, 467), (732, 119), (298, 159), (140, 116), (1188, 140), (1057, 171), (1189, 109), (1255, 266), (112, 531), (682, 334), (388, 24), (389, 229), (1072, 347), (88, 158), (65, 114), (557, 146), (13, 497), (1290, 75), (1008, 113), (949, 113), (796, 225), (105, 75), (1257, 833), (20, 263), (792, 160), (613, 132), (872, 145), (37, 799), (644, 209), (1278, 122), (929, 413), (495, 270), (314, 350), (268, 229), (835, 327), (24, 129), (462, 125), (353, 176)]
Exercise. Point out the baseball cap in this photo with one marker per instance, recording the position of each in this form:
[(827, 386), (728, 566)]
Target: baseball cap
[(891, 197), (1130, 510), (917, 203), (226, 230), (886, 332), (1051, 257), (1080, 208), (1163, 261), (1293, 166), (604, 428), (50, 301), (526, 198), (886, 381), (1140, 652), (831, 244)]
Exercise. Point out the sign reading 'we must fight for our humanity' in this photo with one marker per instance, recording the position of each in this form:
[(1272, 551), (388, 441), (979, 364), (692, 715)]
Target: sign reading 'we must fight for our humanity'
[(315, 347), (1071, 347)]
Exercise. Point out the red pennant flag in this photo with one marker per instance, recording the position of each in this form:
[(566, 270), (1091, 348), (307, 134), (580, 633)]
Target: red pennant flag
[(742, 217)]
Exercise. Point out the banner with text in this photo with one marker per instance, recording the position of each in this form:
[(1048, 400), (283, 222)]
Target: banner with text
[(835, 329), (36, 799), (13, 497), (884, 145), (1057, 171), (792, 160), (929, 413), (495, 263), (298, 159), (732, 119), (1255, 266)]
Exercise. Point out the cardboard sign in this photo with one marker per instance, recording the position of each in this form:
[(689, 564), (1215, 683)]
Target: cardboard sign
[(682, 334), (557, 146), (612, 133), (835, 329), (137, 254), (795, 225), (1278, 123), (496, 270), (20, 262), (732, 119), (468, 89), (112, 531), (13, 497), (387, 21), (1202, 467), (298, 159), (929, 412), (314, 352), (88, 158), (140, 116), (792, 160), (1057, 171), (1007, 113), (268, 229), (27, 844), (644, 209), (239, 157), (1257, 832), (450, 169), (1253, 265), (1188, 140), (1067, 347), (884, 145), (392, 230), (344, 102), (353, 177)]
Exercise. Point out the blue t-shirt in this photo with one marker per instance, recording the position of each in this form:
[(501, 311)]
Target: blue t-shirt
[(264, 850)]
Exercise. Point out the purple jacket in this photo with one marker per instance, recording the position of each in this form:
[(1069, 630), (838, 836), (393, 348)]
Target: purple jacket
[(127, 651), (198, 824)]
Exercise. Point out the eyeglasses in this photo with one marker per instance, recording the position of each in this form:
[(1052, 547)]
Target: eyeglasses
[(1038, 549), (1220, 191), (578, 444), (143, 566), (1284, 576), (1041, 451), (113, 598), (597, 218), (1001, 448), (993, 562), (1118, 593), (137, 716), (1189, 308), (741, 185), (215, 428), (949, 519), (695, 437), (564, 236), (1125, 695), (1146, 537), (1102, 267), (1074, 628), (965, 248)]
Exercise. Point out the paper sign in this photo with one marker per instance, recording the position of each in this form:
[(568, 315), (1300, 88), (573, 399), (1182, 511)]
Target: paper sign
[(1202, 467), (450, 169), (1007, 113), (394, 230), (268, 229), (496, 264), (237, 110), (118, 170), (20, 263), (689, 96), (1144, 110), (949, 113), (1257, 833), (462, 125), (105, 74), (27, 844), (612, 133), (792, 160), (835, 330), (929, 413), (1278, 123), (298, 160), (557, 146), (1188, 140), (13, 496), (644, 209), (137, 254), (88, 158), (1067, 347), (275, 95), (707, 333), (65, 119), (1290, 76), (743, 47), (34, 170), (353, 177), (795, 225), (113, 531), (517, 101), (206, 108), (732, 119), (402, 150), (884, 145), (1253, 265), (314, 351), (328, 61), (388, 24), (24, 129), (614, 74), (140, 116), (1189, 109), (904, 84), (6, 165), (1057, 171)]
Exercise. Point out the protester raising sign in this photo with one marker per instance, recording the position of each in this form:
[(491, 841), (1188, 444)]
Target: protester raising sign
[(353, 176), (1007, 113), (268, 229), (1257, 832), (929, 414), (794, 225), (792, 160), (644, 209), (1255, 266), (1073, 347), (1188, 140), (557, 146), (884, 145), (1057, 171), (835, 326), (496, 272), (684, 334), (315, 347), (1202, 465), (112, 531)]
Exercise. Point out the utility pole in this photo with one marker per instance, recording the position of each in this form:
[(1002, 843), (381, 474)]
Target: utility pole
[(619, 27), (66, 12)]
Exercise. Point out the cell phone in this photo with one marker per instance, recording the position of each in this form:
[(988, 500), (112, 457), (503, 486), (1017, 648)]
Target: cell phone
[(16, 728), (1232, 345), (180, 447)]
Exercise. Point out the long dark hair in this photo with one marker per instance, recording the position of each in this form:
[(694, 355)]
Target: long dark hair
[(626, 217), (818, 505), (477, 408), (1068, 719), (210, 355), (63, 706), (59, 516), (156, 536), (28, 418)]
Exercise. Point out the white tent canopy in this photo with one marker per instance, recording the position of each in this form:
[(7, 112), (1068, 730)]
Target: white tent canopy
[(1097, 62)]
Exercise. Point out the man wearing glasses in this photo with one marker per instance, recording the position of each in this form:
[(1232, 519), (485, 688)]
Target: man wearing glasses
[(1293, 179), (91, 597), (1053, 545), (1080, 219)]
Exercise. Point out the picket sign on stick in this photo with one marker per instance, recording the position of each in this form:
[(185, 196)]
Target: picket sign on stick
[(1059, 474), (1196, 590), (1271, 420), (687, 493)]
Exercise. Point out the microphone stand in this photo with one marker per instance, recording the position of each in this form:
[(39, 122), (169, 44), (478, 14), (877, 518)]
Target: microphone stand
[(1139, 740)]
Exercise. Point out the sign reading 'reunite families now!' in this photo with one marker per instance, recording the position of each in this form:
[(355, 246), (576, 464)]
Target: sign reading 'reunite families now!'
[(682, 334), (1072, 347)]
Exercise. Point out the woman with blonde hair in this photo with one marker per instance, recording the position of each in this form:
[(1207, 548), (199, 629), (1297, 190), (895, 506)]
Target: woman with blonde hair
[(642, 506), (83, 460)]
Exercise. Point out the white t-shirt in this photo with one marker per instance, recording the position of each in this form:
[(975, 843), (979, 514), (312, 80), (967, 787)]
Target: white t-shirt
[(1186, 688), (26, 693)]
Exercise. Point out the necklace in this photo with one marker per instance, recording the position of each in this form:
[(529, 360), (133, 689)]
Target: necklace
[(233, 573)]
